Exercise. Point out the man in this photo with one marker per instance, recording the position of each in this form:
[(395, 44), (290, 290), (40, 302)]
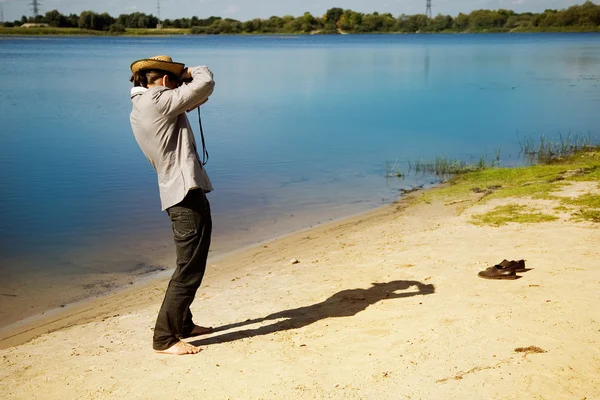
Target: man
[(163, 132)]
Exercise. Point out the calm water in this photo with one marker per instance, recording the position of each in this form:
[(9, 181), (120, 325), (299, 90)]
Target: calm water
[(299, 130)]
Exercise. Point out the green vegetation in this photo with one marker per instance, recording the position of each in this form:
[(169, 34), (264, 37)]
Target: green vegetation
[(49, 31), (113, 30), (586, 200), (584, 207), (393, 170), (511, 213), (540, 181), (149, 32), (592, 215), (548, 151), (571, 158), (445, 167), (537, 181), (577, 18)]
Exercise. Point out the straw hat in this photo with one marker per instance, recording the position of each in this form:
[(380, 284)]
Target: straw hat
[(161, 63)]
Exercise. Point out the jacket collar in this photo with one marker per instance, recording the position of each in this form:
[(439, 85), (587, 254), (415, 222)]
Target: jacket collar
[(138, 90)]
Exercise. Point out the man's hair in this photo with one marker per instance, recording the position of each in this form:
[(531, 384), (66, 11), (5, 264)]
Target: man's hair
[(143, 78)]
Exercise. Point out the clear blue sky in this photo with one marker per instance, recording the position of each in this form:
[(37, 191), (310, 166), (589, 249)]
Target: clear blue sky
[(246, 9)]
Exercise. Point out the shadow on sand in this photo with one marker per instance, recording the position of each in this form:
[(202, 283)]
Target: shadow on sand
[(342, 304)]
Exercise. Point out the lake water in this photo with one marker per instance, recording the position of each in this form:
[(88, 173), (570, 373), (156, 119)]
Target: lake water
[(299, 131)]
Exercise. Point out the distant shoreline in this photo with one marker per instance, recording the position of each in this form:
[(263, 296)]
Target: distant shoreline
[(576, 18), (18, 31)]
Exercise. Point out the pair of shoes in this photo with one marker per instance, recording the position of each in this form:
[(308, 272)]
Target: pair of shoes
[(505, 270)]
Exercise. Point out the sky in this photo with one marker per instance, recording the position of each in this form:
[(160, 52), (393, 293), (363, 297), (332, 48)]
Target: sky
[(247, 9)]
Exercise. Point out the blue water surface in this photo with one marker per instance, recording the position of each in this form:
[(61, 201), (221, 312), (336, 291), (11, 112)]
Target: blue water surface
[(299, 130)]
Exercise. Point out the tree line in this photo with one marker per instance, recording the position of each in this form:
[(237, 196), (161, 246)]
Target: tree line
[(337, 20)]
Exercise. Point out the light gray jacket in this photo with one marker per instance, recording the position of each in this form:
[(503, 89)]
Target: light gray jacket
[(165, 136)]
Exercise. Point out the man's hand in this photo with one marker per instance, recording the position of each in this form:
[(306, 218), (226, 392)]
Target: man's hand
[(202, 68), (186, 74)]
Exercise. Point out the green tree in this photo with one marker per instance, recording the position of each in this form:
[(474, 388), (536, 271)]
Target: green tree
[(309, 23), (181, 23), (371, 23), (95, 21), (522, 21), (333, 15), (548, 18), (486, 19), (587, 14), (208, 21), (293, 26), (329, 27), (273, 24), (87, 19), (137, 20), (249, 26), (415, 23), (350, 21), (228, 26), (441, 23), (105, 21), (72, 21), (56, 19)]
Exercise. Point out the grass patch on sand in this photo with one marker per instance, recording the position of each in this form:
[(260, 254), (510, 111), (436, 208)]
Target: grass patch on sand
[(537, 181), (587, 200), (590, 174), (587, 215), (585, 207), (511, 213)]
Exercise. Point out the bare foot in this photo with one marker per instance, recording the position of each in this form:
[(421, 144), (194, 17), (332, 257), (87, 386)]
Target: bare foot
[(201, 330), (180, 348)]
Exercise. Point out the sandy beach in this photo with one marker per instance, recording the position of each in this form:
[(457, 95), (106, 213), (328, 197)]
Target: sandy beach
[(385, 305)]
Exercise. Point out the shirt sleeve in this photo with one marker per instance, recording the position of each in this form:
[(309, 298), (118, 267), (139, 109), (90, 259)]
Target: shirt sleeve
[(178, 101)]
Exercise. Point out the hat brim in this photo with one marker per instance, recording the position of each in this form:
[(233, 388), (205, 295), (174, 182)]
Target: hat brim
[(149, 64)]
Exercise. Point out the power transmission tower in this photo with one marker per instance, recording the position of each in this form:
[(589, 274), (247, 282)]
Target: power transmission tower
[(428, 11), (159, 25), (1, 14), (35, 7)]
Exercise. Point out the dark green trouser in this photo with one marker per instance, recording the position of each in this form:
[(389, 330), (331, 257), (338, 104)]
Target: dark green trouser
[(192, 226)]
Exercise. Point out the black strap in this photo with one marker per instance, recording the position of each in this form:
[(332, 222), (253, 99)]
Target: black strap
[(204, 151)]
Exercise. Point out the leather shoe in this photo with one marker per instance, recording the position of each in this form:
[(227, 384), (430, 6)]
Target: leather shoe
[(498, 272), (519, 265)]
